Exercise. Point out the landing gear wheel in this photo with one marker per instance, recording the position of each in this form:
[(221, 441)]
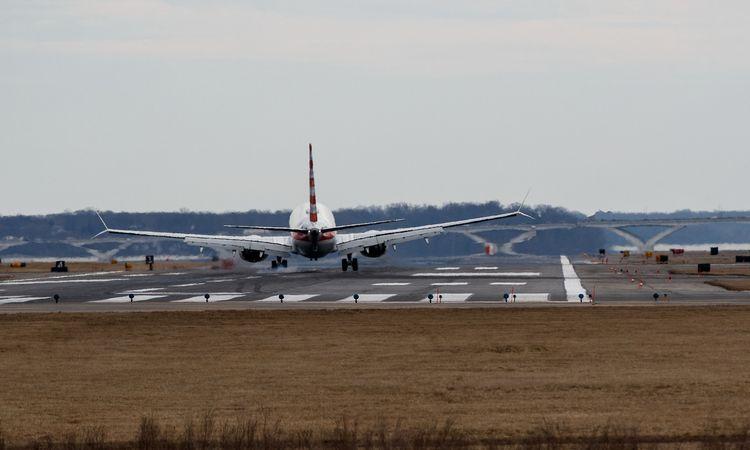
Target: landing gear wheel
[(344, 265), (284, 263), (274, 265), (355, 265)]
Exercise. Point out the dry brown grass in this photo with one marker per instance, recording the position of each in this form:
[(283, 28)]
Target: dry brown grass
[(667, 371)]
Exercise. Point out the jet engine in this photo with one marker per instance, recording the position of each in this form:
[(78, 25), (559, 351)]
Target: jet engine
[(374, 251), (253, 256)]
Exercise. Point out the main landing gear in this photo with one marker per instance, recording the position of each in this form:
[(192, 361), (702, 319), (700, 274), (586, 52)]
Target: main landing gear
[(349, 262), (279, 261)]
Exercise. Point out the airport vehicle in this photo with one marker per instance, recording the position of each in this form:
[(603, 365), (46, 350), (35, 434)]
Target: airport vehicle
[(313, 234)]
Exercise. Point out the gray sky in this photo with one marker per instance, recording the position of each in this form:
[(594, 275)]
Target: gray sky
[(159, 105)]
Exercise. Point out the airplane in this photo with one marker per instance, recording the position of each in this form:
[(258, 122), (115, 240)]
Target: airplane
[(313, 234)]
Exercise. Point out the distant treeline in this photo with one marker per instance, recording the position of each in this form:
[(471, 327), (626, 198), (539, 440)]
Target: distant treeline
[(45, 235)]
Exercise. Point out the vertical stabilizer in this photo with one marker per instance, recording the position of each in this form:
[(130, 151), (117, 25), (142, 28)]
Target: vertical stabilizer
[(313, 202)]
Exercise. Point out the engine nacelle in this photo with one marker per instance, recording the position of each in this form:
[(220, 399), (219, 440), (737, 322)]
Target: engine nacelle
[(374, 251), (253, 256)]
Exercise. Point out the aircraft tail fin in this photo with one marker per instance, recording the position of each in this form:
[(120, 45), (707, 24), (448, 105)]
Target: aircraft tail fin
[(313, 200)]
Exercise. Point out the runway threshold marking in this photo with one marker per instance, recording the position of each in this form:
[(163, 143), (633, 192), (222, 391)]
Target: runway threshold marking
[(21, 299), (573, 286), (126, 299), (459, 283), (449, 298), (212, 298), (530, 298), (366, 298), (391, 284), (290, 298), (478, 274)]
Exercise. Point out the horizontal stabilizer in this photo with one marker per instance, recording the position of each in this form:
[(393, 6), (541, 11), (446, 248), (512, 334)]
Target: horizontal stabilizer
[(358, 225), (260, 227)]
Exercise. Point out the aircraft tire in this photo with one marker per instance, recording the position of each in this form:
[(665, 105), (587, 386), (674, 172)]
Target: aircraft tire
[(355, 265), (344, 265)]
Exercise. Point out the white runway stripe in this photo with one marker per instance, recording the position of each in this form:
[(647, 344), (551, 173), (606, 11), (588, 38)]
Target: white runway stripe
[(136, 291), (126, 299), (77, 275), (447, 268), (391, 284), (368, 298), (508, 283), (573, 286), (223, 280), (290, 298), (478, 274), (212, 298), (486, 268), (187, 285), (31, 283), (174, 273), (6, 300), (137, 275), (448, 298), (529, 297), (460, 283)]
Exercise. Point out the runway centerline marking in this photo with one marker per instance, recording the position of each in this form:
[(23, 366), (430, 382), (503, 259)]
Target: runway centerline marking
[(187, 285), (573, 286), (508, 283), (486, 268), (137, 275), (223, 280), (478, 274), (458, 283), (365, 298), (211, 298), (447, 268), (391, 284), (289, 298), (126, 299)]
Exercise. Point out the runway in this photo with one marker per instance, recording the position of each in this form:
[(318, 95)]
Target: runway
[(467, 282)]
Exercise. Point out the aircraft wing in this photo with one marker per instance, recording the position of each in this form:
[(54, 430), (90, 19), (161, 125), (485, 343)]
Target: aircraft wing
[(273, 245), (349, 243)]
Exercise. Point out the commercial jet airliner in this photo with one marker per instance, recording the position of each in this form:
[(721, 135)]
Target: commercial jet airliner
[(313, 234)]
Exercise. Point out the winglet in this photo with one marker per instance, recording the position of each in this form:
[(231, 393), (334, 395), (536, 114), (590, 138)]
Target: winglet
[(520, 207), (106, 228)]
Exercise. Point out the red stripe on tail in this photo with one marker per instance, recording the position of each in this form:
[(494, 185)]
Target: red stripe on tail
[(313, 201)]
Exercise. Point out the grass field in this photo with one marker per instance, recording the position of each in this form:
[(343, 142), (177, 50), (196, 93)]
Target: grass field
[(668, 371)]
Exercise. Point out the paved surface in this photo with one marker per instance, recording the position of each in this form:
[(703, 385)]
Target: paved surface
[(468, 282)]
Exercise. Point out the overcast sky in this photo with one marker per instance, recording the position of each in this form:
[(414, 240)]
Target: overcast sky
[(161, 105)]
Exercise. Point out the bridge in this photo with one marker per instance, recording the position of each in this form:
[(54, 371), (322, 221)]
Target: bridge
[(619, 227)]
